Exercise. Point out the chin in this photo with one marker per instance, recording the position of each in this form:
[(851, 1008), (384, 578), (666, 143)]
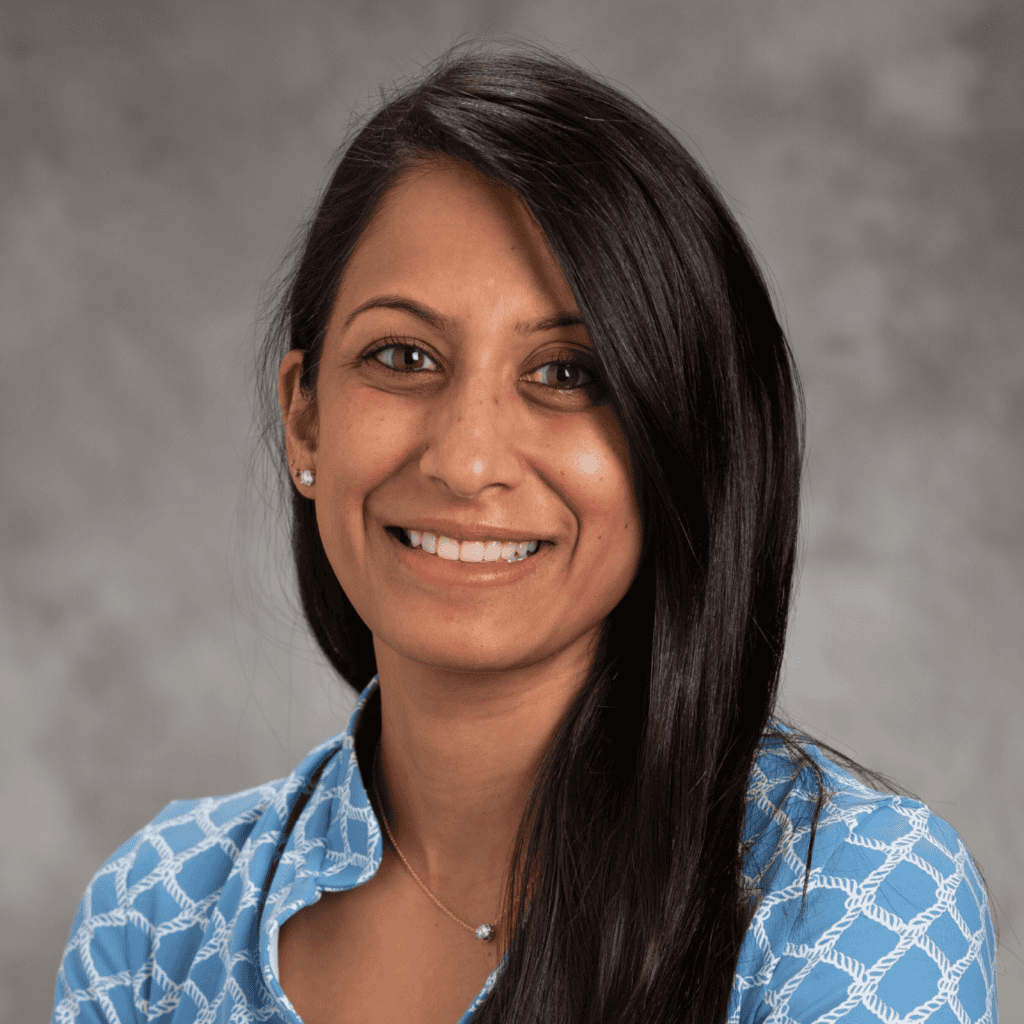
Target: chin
[(469, 659)]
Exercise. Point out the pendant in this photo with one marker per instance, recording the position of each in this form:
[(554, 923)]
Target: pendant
[(484, 933)]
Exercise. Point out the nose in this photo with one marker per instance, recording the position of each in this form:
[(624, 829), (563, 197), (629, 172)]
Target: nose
[(473, 438)]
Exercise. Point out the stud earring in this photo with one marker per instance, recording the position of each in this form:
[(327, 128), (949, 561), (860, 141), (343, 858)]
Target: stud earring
[(306, 476)]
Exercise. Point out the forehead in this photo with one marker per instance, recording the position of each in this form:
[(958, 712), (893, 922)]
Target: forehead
[(440, 186), (443, 224)]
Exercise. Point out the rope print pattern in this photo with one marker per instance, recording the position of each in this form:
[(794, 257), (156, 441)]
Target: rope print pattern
[(896, 925)]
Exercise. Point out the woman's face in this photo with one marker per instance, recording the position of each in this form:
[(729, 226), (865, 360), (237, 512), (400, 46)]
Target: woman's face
[(442, 407)]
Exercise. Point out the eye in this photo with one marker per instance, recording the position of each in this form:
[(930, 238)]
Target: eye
[(564, 375), (570, 373), (409, 360)]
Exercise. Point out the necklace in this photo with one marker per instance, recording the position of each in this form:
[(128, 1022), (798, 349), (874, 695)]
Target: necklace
[(484, 932)]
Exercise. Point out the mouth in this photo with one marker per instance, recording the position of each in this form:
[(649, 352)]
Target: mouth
[(453, 550)]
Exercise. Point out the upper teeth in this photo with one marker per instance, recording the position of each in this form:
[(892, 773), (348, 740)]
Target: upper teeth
[(471, 550)]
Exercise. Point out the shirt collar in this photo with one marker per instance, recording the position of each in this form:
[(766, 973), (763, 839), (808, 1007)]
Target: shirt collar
[(335, 841)]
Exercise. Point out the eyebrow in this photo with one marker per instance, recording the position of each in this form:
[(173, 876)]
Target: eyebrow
[(442, 323), (550, 323)]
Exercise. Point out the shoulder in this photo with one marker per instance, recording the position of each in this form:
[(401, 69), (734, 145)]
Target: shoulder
[(169, 897), (892, 917), (156, 890), (188, 849)]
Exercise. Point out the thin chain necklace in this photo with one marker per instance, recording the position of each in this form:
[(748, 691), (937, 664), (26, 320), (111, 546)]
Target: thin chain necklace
[(484, 932)]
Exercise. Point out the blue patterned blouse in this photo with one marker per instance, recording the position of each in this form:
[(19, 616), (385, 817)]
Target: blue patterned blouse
[(180, 925)]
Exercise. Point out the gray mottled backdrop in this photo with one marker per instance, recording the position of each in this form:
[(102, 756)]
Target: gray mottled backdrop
[(156, 161)]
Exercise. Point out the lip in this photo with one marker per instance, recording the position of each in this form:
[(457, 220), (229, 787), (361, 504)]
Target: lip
[(443, 571), (469, 531)]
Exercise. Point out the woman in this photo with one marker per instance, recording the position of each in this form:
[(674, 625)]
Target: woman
[(543, 434)]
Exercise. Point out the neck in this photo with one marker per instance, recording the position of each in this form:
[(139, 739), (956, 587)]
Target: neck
[(461, 752)]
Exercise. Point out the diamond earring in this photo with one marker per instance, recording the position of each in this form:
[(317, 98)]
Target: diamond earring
[(306, 476)]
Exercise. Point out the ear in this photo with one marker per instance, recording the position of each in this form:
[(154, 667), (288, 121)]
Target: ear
[(298, 410)]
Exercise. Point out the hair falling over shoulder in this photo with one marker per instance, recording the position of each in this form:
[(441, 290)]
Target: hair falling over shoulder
[(632, 839)]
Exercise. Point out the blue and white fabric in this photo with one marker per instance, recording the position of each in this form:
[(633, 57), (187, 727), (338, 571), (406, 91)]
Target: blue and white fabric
[(180, 925)]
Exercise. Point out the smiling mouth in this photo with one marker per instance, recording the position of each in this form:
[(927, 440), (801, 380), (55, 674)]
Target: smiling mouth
[(465, 551)]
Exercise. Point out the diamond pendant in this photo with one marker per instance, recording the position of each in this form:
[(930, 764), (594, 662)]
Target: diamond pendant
[(484, 933)]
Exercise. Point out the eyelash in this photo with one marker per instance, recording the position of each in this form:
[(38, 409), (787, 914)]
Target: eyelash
[(567, 357)]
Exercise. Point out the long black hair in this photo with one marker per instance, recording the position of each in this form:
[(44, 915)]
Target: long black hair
[(636, 906)]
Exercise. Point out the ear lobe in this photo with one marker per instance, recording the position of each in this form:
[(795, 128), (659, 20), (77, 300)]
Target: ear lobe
[(298, 412)]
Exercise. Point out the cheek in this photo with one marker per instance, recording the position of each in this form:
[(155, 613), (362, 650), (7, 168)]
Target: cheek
[(588, 465), (357, 449), (602, 480), (599, 483), (357, 439)]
